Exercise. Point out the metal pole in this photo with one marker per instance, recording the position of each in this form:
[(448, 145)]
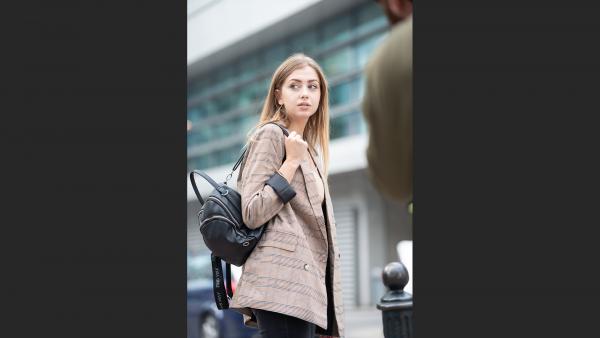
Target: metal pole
[(396, 304)]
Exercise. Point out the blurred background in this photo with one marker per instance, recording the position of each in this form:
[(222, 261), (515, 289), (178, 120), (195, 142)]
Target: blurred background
[(234, 47)]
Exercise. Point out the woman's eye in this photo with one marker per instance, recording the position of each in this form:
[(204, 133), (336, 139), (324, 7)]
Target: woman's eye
[(297, 86)]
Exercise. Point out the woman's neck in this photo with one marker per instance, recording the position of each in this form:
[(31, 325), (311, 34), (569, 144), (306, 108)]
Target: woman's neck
[(297, 126)]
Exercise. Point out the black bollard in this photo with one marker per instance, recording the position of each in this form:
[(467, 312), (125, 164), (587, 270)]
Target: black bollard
[(396, 304)]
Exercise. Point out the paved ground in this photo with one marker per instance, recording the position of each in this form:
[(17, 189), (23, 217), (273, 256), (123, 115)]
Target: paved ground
[(364, 323)]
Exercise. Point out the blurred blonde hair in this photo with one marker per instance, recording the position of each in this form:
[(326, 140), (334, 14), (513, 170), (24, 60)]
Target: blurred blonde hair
[(317, 126)]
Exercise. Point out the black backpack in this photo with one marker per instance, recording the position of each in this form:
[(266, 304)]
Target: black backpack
[(223, 230)]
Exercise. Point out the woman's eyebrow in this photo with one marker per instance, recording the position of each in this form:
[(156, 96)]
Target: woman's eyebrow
[(313, 80)]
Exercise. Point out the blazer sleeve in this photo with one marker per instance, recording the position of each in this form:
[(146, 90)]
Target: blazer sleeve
[(263, 191)]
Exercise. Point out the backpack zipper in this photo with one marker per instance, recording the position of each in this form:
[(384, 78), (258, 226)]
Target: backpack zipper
[(235, 228), (225, 208)]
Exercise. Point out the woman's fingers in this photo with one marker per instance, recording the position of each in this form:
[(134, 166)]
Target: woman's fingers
[(297, 137)]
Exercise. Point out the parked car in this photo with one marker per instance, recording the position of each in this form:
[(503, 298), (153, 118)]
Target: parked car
[(204, 319)]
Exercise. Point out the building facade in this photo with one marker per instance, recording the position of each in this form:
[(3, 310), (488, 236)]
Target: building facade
[(233, 50)]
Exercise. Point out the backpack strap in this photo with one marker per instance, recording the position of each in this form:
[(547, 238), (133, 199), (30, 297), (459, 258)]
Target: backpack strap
[(221, 297), (228, 278), (239, 161), (210, 180), (195, 187)]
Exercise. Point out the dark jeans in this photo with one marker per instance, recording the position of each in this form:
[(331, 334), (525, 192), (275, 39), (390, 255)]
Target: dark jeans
[(277, 325)]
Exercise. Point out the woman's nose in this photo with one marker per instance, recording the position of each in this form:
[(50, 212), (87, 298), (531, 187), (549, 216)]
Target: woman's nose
[(304, 92)]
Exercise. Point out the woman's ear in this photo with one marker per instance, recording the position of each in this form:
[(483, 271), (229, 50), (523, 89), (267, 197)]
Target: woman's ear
[(278, 96)]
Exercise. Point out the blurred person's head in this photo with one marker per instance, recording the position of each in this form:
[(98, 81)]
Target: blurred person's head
[(298, 95), (396, 10)]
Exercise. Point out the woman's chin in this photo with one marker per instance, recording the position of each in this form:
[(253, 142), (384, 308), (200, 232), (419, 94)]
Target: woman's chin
[(303, 114)]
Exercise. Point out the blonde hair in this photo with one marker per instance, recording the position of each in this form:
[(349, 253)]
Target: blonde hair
[(317, 126)]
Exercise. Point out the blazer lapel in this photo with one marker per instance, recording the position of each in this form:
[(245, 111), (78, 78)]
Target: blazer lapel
[(328, 205), (311, 186)]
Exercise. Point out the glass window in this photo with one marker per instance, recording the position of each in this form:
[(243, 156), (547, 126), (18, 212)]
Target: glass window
[(225, 76), (221, 156), (208, 160), (338, 62), (197, 87), (260, 87), (194, 114), (224, 103), (232, 153), (194, 163), (191, 139), (249, 67), (209, 108), (204, 108), (307, 42), (221, 129), (344, 92), (337, 127), (264, 87), (361, 86), (370, 17), (194, 137), (211, 86), (365, 48), (337, 30), (275, 55), (340, 94), (248, 122), (350, 123), (200, 135), (201, 162), (247, 94)]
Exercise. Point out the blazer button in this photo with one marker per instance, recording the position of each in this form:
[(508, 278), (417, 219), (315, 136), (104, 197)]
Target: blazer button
[(306, 267)]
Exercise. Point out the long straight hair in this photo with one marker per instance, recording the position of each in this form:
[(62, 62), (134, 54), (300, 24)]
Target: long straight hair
[(316, 131)]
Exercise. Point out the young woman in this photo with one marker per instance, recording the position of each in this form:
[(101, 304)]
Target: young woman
[(290, 284)]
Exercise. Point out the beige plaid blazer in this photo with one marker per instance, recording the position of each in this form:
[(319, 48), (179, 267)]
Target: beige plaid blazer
[(286, 271)]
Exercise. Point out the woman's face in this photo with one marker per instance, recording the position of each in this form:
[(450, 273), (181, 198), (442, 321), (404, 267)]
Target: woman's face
[(300, 93)]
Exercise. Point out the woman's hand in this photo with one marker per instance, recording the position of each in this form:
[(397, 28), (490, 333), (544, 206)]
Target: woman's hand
[(296, 149)]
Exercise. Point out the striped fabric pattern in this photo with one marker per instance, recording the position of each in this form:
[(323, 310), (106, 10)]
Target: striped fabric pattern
[(286, 271)]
